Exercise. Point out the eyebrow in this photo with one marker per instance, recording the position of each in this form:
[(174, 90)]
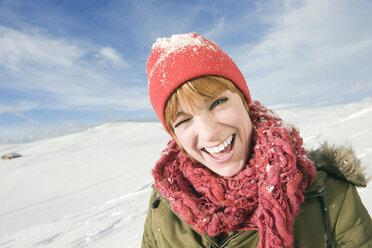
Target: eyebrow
[(180, 113)]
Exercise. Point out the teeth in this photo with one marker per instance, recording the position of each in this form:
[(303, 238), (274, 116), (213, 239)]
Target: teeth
[(221, 147)]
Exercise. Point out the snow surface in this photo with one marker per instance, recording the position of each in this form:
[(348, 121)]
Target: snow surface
[(178, 41), (91, 189)]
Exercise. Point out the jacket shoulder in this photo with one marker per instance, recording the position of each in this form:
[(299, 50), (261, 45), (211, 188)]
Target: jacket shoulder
[(338, 171), (340, 161), (163, 228)]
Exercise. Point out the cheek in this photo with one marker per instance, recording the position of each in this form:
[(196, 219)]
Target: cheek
[(185, 139), (237, 118), (233, 116)]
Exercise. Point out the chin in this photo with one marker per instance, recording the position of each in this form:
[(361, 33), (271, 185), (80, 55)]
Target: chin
[(229, 172)]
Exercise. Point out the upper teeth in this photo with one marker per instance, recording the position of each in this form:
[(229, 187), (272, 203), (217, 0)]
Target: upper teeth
[(220, 147)]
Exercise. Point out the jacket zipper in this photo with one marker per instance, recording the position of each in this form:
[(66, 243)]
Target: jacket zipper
[(319, 193), (326, 221), (314, 192)]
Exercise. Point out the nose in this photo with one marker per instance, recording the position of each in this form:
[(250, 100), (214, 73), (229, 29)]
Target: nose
[(206, 128)]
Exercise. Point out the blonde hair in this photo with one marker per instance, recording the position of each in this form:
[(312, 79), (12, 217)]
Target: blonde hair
[(196, 90)]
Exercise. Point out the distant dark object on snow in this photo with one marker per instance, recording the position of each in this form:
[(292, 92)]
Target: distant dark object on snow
[(11, 155)]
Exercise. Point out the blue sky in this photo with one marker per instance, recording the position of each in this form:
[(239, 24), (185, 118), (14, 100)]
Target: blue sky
[(67, 65)]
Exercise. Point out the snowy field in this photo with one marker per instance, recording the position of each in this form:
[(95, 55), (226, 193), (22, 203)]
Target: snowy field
[(91, 189)]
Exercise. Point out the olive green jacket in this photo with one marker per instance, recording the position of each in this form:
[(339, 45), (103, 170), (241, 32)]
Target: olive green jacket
[(332, 214)]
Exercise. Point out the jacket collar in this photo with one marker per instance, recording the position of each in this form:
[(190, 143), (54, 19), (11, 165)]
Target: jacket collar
[(340, 161)]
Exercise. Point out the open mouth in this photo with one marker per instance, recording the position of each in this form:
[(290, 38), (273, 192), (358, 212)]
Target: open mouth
[(222, 152)]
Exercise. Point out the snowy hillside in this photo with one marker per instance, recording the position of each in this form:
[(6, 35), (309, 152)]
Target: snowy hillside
[(91, 189)]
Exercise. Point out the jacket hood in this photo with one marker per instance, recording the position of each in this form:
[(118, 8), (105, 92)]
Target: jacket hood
[(341, 161)]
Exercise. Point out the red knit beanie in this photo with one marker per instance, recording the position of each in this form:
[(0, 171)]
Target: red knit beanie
[(182, 57)]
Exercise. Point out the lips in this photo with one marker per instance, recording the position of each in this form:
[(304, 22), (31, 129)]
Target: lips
[(222, 152)]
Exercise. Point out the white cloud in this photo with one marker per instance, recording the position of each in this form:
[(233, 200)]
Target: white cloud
[(29, 132), (312, 48), (16, 110), (120, 99), (66, 73), (111, 56), (217, 29), (19, 48), (361, 86)]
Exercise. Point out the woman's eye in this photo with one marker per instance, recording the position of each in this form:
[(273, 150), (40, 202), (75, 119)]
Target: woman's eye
[(218, 101), (181, 122)]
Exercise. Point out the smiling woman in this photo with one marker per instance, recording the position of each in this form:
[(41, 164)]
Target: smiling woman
[(235, 174), (223, 144)]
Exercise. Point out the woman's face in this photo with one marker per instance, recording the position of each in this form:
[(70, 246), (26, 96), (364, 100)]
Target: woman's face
[(218, 134)]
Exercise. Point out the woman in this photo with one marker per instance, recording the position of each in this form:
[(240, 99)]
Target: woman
[(235, 174)]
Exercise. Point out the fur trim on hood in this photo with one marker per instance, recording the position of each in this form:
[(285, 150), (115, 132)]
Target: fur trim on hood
[(341, 161)]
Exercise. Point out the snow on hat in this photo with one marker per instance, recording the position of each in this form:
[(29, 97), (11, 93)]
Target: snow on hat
[(182, 57)]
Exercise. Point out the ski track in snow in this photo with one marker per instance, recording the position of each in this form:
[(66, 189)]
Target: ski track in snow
[(357, 114), (89, 228), (99, 186), (340, 122), (91, 187)]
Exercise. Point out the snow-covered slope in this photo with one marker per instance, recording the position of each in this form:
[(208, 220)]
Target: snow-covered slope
[(79, 189), (91, 189)]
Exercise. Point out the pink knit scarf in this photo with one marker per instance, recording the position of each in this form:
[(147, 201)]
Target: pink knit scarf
[(264, 196)]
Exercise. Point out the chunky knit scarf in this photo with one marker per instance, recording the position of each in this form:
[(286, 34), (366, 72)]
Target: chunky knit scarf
[(264, 196)]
